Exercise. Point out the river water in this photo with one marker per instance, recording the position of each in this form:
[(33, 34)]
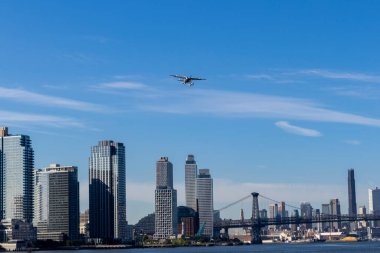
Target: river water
[(342, 247)]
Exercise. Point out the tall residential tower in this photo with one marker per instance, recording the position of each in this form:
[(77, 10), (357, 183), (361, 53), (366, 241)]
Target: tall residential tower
[(205, 202), (335, 210), (165, 200), (352, 210), (191, 172), (16, 176), (351, 193), (107, 195)]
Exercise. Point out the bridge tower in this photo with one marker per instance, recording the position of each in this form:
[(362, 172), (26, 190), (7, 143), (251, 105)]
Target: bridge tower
[(256, 224)]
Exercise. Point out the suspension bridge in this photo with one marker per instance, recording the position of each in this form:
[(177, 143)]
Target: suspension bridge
[(256, 223)]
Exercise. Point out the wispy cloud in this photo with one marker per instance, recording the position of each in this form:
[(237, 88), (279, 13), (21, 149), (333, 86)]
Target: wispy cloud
[(55, 87), (274, 77), (362, 91), (347, 92), (301, 75), (78, 58), (124, 77), (260, 77), (284, 125), (352, 142), (38, 119), (97, 38), (238, 104), (354, 76), (122, 86), (40, 99)]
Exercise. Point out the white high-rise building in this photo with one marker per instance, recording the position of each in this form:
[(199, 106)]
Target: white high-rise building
[(374, 200), (374, 204), (191, 173), (362, 210), (165, 200), (205, 201), (273, 211)]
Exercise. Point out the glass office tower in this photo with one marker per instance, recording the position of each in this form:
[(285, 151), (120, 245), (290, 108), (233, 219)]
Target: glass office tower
[(107, 197), (205, 196), (16, 176)]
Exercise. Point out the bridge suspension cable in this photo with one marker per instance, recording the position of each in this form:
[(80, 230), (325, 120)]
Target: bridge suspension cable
[(264, 197), (260, 195), (235, 202)]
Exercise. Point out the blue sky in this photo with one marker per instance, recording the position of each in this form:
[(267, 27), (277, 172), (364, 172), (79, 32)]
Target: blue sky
[(290, 103)]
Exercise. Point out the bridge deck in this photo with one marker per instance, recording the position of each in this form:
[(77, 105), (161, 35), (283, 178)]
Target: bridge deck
[(262, 222)]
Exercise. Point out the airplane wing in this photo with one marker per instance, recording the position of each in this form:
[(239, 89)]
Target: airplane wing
[(196, 78), (176, 76)]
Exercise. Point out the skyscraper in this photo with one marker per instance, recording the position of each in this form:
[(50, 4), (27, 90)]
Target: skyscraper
[(56, 212), (335, 210), (165, 200), (16, 176), (374, 200), (325, 212), (164, 173), (107, 197), (205, 201), (273, 211), (318, 225), (295, 215), (306, 211), (263, 213), (352, 211), (273, 214), (191, 173), (351, 193), (282, 213), (374, 204), (282, 209)]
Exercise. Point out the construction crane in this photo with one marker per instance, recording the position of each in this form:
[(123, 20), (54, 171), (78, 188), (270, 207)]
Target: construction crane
[(200, 230)]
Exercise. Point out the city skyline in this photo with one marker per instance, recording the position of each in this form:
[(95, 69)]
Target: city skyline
[(291, 91), (164, 174), (110, 156)]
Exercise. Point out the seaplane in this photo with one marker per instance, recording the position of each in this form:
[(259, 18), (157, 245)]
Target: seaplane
[(187, 80)]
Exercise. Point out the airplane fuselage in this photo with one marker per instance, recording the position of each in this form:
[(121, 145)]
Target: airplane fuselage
[(187, 79)]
